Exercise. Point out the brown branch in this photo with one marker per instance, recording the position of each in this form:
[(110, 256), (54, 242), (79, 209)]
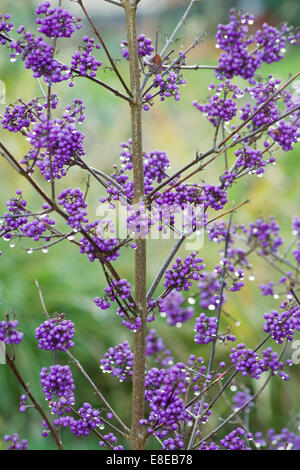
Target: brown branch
[(103, 84), (138, 389), (36, 404), (96, 390), (112, 62)]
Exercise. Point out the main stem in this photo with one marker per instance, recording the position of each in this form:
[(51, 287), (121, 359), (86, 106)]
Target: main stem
[(138, 391)]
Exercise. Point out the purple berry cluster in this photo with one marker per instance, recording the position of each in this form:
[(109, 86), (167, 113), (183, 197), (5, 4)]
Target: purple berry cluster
[(55, 140), (214, 196), (271, 43), (171, 307), (273, 364), (209, 446), (168, 86), (217, 232), (267, 289), (209, 287), (90, 419), (233, 41), (56, 22), (247, 361), (176, 443), (101, 246), (5, 27), (55, 334), (58, 387), (9, 333), (14, 442), (206, 328), (38, 56), (250, 159), (118, 361), (268, 45), (109, 441), (296, 253), (155, 349), (239, 400), (145, 47), (182, 273), (285, 134), (284, 440), (75, 112), (23, 405), (74, 204), (282, 325), (238, 439), (264, 233), (261, 92), (84, 61), (118, 289), (221, 107), (16, 217), (17, 221), (164, 388), (19, 117)]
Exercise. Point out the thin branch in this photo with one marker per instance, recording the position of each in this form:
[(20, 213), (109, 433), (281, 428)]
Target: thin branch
[(36, 404), (103, 84), (170, 41), (164, 267), (112, 62), (174, 64), (218, 154), (229, 211), (96, 390), (244, 123), (236, 412), (198, 67), (176, 29), (213, 348), (10, 158), (114, 3), (42, 299)]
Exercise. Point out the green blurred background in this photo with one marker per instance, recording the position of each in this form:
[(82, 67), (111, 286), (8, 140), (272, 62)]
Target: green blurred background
[(69, 281)]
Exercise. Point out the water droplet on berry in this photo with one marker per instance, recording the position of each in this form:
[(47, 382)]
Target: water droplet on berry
[(13, 59), (12, 244)]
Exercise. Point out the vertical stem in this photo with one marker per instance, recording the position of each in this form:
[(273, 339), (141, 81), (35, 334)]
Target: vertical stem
[(138, 391)]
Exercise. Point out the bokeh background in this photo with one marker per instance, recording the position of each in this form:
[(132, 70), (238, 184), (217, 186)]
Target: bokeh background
[(69, 281)]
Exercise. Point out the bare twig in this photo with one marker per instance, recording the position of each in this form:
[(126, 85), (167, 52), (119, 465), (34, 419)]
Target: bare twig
[(112, 62), (96, 390)]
